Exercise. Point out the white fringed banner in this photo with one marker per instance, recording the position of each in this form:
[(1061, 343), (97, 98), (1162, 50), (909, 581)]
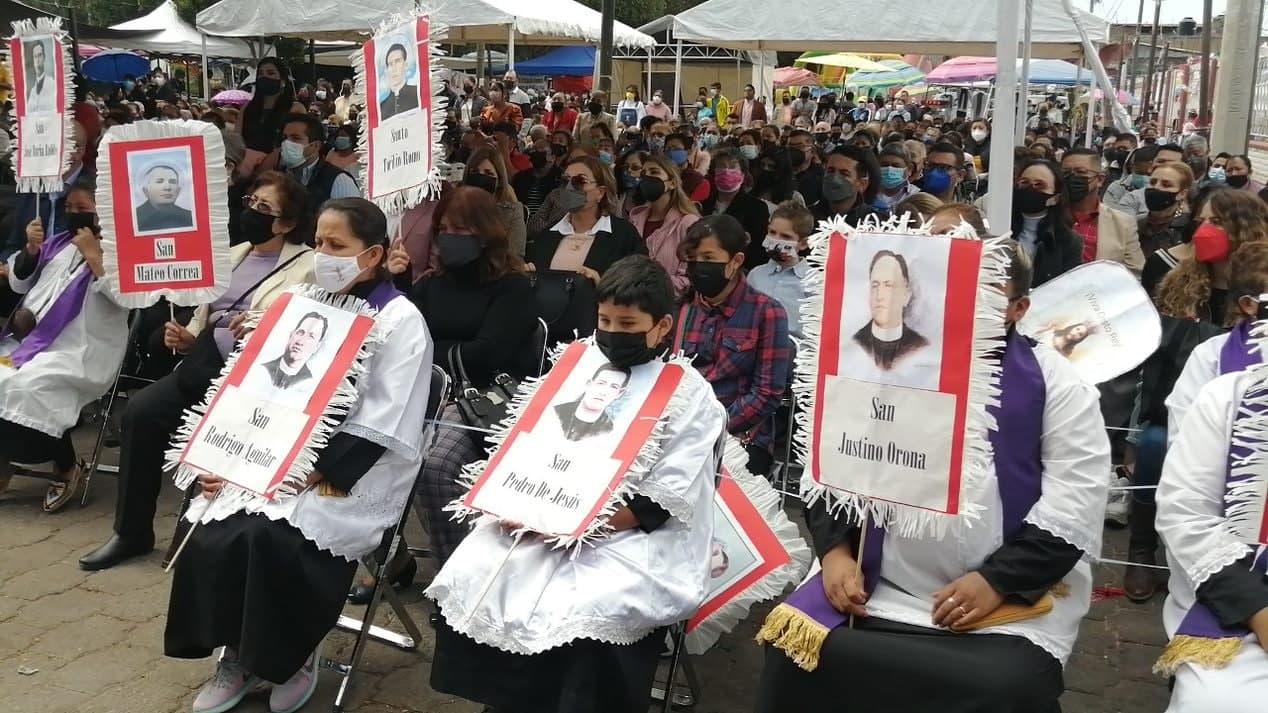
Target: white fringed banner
[(633, 481), (189, 266), (782, 556), (391, 147), (46, 138), (233, 498), (988, 331)]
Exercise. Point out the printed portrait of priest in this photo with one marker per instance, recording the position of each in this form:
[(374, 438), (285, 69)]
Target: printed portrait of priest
[(719, 560), (886, 337), (41, 86), (402, 96), (291, 368), (161, 186), (591, 415)]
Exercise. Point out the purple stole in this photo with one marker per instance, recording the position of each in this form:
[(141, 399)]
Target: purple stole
[(65, 308), (1200, 639), (801, 624), (383, 293)]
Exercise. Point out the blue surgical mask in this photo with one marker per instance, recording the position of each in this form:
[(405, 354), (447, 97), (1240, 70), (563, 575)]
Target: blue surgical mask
[(708, 141), (892, 176), (679, 157), (750, 152), (129, 85), (937, 181), (630, 182), (1217, 175), (1139, 180), (606, 157), (293, 154), (343, 143)]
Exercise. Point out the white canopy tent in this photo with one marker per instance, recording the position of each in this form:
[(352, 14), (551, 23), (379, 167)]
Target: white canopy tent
[(540, 22), (172, 35), (921, 26)]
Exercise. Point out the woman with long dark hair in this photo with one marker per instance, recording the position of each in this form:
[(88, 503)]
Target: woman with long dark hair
[(1041, 220), (262, 118)]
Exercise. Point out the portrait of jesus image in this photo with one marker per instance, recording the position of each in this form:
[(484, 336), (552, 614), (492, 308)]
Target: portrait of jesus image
[(886, 337), (161, 186), (291, 368), (402, 97), (590, 415)]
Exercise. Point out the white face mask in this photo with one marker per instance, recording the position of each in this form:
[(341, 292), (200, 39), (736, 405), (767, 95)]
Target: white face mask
[(978, 135), (334, 273), (656, 99)]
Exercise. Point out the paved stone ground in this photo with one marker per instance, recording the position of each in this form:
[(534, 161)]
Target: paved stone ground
[(95, 640)]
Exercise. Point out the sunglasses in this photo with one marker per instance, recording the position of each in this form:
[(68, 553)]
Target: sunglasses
[(578, 181)]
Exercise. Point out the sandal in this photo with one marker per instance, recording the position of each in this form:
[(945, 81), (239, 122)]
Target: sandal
[(60, 493)]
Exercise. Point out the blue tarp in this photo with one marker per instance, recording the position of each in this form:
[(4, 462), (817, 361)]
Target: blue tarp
[(1055, 71), (576, 61)]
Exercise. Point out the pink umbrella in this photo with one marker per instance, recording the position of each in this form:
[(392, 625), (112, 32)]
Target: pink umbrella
[(795, 77), (236, 97), (962, 70)]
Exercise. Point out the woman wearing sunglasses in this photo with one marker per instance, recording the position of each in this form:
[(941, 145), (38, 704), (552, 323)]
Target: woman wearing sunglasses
[(277, 227)]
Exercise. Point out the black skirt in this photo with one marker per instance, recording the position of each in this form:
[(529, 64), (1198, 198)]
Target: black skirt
[(886, 667), (584, 676), (259, 587)]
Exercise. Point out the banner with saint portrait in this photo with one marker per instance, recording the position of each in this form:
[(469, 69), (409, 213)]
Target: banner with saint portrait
[(162, 199), (896, 371), (1098, 317), (39, 51), (278, 397), (757, 552), (400, 137), (578, 441)]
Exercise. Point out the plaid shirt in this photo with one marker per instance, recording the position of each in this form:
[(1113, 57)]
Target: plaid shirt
[(741, 346), (1087, 227)]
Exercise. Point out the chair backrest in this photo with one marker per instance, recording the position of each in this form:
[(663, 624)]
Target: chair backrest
[(438, 395), (540, 340)]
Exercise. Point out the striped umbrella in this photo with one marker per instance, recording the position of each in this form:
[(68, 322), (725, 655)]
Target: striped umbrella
[(901, 75)]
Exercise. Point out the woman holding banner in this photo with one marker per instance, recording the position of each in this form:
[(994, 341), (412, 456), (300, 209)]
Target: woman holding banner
[(276, 224), (267, 579), (985, 616), (1211, 518), (60, 348)]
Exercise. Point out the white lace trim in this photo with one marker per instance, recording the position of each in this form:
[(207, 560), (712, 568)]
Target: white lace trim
[(1089, 543), (1216, 560)]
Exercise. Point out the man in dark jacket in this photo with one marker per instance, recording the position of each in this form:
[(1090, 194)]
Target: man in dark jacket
[(851, 178)]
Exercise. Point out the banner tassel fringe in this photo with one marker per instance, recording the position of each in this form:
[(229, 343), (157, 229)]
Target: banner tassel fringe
[(797, 635)]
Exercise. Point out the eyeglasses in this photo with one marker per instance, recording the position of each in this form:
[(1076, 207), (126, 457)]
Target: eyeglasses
[(260, 206), (579, 180)]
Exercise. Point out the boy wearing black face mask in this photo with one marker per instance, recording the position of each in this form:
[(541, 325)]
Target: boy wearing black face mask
[(737, 335)]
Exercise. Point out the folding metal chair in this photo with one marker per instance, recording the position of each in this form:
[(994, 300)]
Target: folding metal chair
[(118, 390), (378, 566), (678, 657)]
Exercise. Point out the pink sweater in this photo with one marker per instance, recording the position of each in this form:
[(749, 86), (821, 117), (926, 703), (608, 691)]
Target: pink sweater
[(662, 245)]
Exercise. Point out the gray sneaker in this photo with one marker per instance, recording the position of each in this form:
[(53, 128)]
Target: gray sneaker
[(227, 687)]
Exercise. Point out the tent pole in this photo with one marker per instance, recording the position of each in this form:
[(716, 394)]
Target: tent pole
[(677, 79), (761, 72), (510, 47), (999, 207), (647, 93), (1024, 81), (206, 74), (1091, 104), (479, 68)]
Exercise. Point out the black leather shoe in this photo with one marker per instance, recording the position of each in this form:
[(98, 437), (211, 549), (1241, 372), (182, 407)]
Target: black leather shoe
[(360, 593), (118, 549)]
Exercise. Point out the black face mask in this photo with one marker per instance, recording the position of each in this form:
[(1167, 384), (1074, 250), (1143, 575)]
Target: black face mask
[(556, 107), (1029, 200), (796, 156), (268, 86), (1239, 181), (558, 149), (624, 349), (257, 227), (707, 278), (596, 108), (1077, 187), (1151, 141), (75, 221), (837, 189), (1116, 156), (651, 188), (457, 251), (479, 180), (539, 159), (1158, 199)]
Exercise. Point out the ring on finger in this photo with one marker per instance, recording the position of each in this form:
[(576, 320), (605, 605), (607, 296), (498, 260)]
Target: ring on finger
[(963, 612)]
